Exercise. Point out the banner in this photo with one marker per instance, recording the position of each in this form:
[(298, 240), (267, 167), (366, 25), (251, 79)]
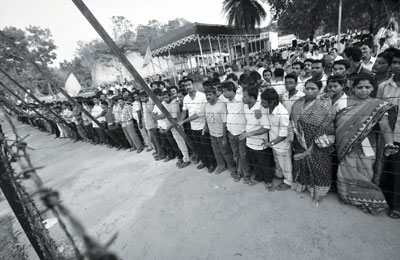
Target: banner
[(147, 58)]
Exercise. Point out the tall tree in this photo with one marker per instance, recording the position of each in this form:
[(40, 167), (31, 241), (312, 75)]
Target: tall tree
[(39, 43), (305, 17), (244, 15)]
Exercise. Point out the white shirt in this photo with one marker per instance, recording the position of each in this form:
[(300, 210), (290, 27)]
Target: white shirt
[(277, 122), (195, 106), (338, 57), (279, 87), (255, 142), (235, 120), (389, 91), (136, 107), (369, 64), (95, 112), (340, 104), (288, 102), (301, 83), (162, 123)]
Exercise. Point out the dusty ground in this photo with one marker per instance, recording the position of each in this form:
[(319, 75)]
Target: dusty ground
[(161, 212)]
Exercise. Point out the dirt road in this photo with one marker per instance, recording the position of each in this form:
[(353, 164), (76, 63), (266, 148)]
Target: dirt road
[(161, 212)]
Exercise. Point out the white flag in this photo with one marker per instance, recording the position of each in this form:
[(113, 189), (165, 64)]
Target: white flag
[(72, 85), (147, 57)]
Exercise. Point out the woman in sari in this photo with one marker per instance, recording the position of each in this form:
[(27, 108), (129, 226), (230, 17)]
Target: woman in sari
[(363, 137), (312, 122)]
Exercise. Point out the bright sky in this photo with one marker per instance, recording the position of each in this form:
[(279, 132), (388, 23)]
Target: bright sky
[(68, 25)]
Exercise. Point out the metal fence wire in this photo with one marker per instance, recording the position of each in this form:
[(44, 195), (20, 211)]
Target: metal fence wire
[(26, 211)]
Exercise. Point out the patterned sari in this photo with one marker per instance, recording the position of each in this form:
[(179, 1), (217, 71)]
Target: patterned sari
[(312, 165), (360, 153)]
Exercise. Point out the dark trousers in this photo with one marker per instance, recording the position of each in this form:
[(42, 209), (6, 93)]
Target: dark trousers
[(119, 139), (155, 138), (262, 162), (390, 182), (202, 146), (223, 154), (90, 132), (101, 134), (160, 147), (169, 145), (239, 150)]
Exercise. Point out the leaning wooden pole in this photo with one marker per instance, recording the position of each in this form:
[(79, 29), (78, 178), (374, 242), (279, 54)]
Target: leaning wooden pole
[(23, 102), (47, 77), (114, 48), (24, 208), (34, 98), (5, 102)]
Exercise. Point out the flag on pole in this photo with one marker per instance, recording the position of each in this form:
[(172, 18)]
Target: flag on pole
[(50, 90), (72, 85), (147, 57)]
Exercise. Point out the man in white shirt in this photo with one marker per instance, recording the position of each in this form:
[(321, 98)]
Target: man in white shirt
[(334, 53), (260, 158), (215, 114), (167, 140), (193, 104), (96, 113), (279, 85), (292, 93), (236, 125), (302, 78), (390, 91), (317, 72), (366, 59), (277, 122), (138, 117), (335, 89)]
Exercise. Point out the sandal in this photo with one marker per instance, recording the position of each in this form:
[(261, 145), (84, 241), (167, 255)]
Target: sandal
[(283, 186), (270, 186), (252, 182), (394, 214)]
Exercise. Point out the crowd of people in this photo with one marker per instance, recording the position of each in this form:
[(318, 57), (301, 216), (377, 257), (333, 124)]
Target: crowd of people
[(326, 123)]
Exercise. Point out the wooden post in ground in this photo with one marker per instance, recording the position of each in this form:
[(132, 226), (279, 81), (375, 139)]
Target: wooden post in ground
[(114, 48), (24, 208)]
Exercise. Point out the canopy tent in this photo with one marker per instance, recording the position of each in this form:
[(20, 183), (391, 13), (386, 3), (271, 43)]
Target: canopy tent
[(197, 38)]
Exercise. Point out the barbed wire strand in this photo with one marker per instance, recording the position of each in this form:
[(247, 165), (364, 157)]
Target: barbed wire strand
[(52, 201)]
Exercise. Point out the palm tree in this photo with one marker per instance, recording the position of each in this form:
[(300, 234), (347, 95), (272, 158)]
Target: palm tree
[(244, 15)]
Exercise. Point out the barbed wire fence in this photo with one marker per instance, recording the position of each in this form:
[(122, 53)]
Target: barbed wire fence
[(15, 151)]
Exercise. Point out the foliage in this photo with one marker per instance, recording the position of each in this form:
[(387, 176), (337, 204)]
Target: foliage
[(75, 66), (145, 34), (305, 17), (244, 14), (39, 43)]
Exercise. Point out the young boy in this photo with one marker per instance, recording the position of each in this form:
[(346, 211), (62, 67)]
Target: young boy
[(174, 109), (292, 94), (137, 115), (335, 89), (277, 123), (151, 125), (166, 138), (259, 157), (216, 114)]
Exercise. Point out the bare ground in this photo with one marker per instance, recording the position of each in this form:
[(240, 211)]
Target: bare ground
[(161, 212)]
